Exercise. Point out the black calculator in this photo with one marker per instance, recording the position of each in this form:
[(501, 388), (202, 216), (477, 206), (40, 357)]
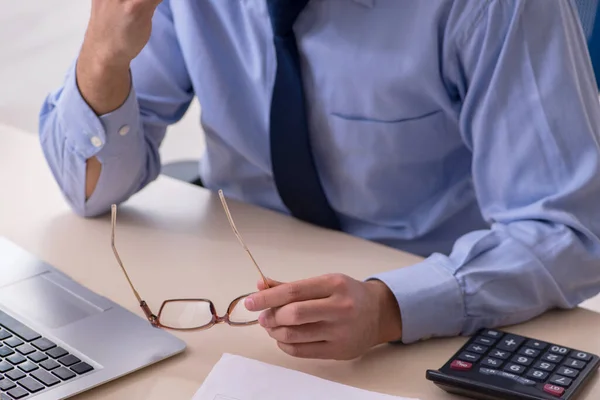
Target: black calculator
[(497, 365)]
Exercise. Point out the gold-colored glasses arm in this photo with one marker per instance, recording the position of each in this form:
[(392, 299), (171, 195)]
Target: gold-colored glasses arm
[(112, 241), (239, 237)]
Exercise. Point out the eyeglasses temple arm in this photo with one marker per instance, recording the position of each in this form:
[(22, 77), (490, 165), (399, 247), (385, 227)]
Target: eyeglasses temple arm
[(239, 237), (149, 314)]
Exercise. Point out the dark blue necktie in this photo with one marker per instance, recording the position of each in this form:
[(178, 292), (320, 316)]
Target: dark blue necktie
[(293, 164)]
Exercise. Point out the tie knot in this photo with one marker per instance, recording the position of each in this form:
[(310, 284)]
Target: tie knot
[(283, 14)]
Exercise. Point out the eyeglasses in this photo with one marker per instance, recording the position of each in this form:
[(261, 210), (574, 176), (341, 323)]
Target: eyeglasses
[(193, 314)]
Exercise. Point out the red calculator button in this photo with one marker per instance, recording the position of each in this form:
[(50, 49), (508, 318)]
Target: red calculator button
[(461, 365), (553, 389)]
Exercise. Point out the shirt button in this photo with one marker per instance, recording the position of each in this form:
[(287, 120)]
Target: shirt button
[(124, 130), (96, 141)]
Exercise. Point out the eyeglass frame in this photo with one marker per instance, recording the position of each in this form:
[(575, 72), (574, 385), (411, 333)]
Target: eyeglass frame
[(215, 319)]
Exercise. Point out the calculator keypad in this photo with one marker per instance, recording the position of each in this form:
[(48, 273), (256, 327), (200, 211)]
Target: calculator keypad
[(549, 367)]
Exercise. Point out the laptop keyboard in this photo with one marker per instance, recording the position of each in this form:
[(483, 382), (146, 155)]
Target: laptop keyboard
[(30, 363)]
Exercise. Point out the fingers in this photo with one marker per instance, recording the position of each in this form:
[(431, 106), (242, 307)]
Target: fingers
[(315, 350), (308, 333), (299, 313), (285, 293), (272, 283)]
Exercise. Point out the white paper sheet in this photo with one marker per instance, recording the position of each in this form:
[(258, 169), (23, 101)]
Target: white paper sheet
[(240, 378)]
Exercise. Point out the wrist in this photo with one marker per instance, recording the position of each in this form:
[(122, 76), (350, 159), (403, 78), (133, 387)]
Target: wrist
[(389, 318)]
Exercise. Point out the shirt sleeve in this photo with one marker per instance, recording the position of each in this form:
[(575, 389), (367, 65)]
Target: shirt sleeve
[(531, 117), (125, 141)]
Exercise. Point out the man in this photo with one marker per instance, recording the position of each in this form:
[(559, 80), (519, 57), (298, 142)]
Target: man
[(464, 131)]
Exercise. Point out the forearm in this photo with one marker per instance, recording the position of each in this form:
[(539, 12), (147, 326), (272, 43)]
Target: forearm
[(76, 143), (503, 276)]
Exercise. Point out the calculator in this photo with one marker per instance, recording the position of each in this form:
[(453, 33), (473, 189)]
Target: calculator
[(497, 365)]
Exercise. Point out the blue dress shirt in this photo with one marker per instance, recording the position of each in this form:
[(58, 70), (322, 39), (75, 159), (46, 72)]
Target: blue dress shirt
[(464, 131)]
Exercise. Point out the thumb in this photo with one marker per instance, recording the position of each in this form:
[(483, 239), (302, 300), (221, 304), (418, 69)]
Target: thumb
[(271, 282)]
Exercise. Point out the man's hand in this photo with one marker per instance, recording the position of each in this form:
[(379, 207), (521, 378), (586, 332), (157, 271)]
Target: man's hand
[(328, 317)]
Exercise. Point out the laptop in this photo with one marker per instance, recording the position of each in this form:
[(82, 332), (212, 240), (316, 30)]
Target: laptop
[(58, 338)]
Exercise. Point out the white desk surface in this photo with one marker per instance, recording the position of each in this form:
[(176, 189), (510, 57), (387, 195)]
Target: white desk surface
[(175, 241)]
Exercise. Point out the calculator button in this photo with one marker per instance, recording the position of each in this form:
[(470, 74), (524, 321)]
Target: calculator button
[(461, 365), (581, 355), (560, 380), (553, 389), (492, 333), (559, 350), (546, 366), (477, 348), (514, 368), (522, 360), (536, 344), (574, 363), (552, 357), (510, 343), (486, 341), (466, 356), (538, 375), (570, 372), (527, 351), (491, 362), (502, 354)]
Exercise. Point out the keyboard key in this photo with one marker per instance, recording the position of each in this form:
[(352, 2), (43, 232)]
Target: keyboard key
[(25, 349), (461, 365), (18, 393), (560, 380), (510, 342), (13, 341), (63, 373), (49, 364), (529, 352), (536, 344), (579, 355), (43, 344), (31, 384), (486, 341), (537, 375), (45, 377), (522, 360), (28, 366), (501, 354), (514, 368), (492, 333), (555, 358), (575, 363), (6, 351), (465, 356), (4, 396), (18, 328), (559, 350), (82, 368), (565, 371), (57, 352), (15, 374), (4, 366), (37, 357), (554, 390), (68, 360), (16, 359), (4, 334), (6, 384), (491, 362), (546, 366), (477, 348)]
